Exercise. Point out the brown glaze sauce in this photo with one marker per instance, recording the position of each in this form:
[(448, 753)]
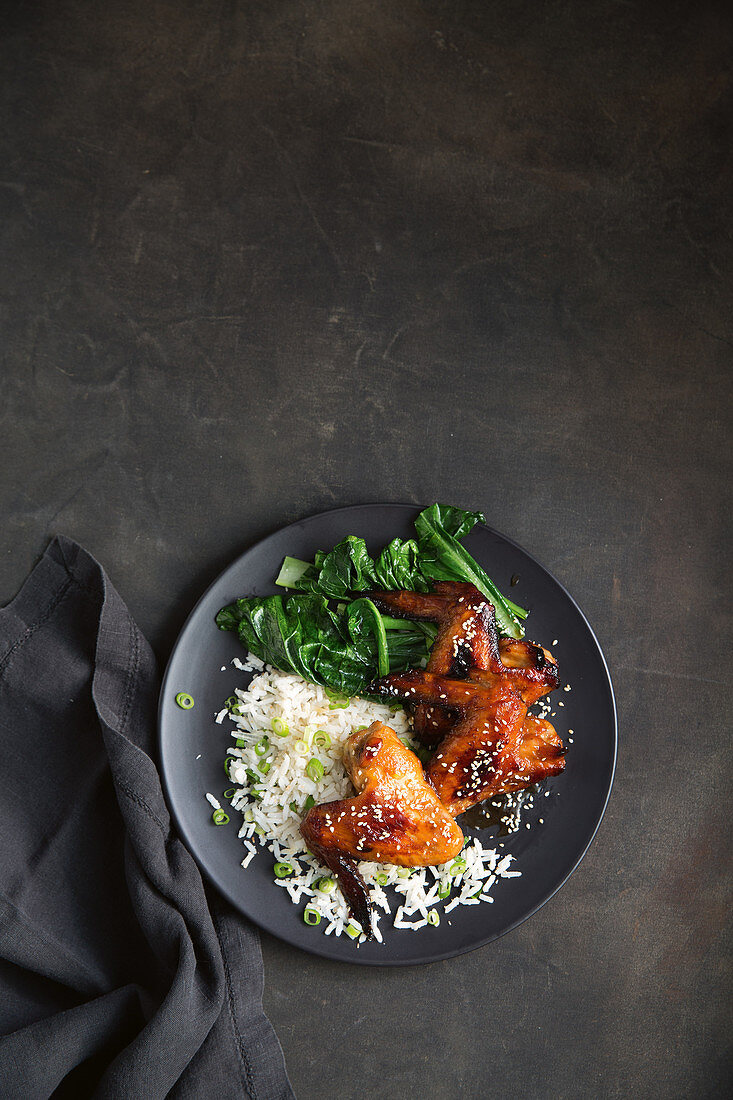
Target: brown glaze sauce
[(501, 812)]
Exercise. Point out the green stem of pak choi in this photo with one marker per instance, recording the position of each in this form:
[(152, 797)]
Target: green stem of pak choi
[(291, 570)]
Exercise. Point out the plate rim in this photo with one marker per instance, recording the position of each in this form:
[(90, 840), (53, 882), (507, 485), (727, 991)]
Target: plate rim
[(315, 949)]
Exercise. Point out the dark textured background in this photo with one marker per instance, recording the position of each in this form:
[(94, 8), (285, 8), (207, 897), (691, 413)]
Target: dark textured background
[(260, 259)]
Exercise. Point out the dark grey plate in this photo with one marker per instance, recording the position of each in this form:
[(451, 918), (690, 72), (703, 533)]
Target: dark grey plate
[(193, 747)]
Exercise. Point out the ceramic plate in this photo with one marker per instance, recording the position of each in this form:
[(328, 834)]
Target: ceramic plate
[(193, 747)]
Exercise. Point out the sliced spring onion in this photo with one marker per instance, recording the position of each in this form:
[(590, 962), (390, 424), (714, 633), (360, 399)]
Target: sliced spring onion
[(404, 872), (219, 817), (264, 767), (444, 890), (321, 739), (259, 830), (184, 700), (326, 885), (231, 701), (338, 701), (240, 742), (314, 769), (434, 917), (248, 816), (229, 760), (279, 727), (301, 748), (252, 775), (282, 870), (262, 746), (353, 931), (458, 866), (230, 793), (294, 807), (236, 711), (309, 803), (311, 916), (382, 878)]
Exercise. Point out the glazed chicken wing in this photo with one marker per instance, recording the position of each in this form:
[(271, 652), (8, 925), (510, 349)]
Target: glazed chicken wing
[(538, 754), (493, 746), (467, 645), (460, 644), (396, 816)]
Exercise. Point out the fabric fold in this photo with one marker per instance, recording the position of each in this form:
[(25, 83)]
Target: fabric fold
[(125, 976)]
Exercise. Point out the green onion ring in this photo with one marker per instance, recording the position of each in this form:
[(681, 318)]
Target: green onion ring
[(314, 769), (321, 739)]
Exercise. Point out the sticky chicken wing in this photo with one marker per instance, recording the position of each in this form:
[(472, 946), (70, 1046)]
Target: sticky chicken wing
[(493, 746), (459, 645), (396, 816)]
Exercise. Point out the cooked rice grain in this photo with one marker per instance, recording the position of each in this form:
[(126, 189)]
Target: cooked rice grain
[(288, 711)]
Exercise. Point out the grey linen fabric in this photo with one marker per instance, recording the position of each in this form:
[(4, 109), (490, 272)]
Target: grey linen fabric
[(120, 974)]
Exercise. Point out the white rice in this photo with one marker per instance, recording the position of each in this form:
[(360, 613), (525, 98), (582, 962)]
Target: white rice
[(274, 819)]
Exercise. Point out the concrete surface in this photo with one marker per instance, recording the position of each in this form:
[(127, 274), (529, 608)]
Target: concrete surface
[(261, 259)]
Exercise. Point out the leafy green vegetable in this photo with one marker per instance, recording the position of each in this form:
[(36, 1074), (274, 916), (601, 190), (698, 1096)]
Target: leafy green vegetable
[(398, 566), (442, 557), (363, 616), (324, 634), (349, 568), (436, 555), (300, 633)]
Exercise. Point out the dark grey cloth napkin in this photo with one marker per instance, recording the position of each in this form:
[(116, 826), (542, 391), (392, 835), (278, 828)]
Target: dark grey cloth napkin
[(120, 975)]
